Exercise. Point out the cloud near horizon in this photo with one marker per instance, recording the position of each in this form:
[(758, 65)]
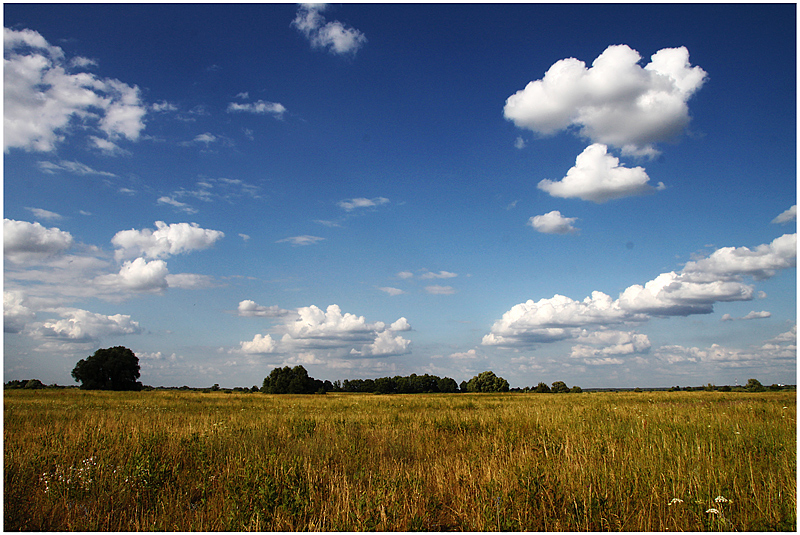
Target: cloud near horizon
[(694, 290), (329, 335)]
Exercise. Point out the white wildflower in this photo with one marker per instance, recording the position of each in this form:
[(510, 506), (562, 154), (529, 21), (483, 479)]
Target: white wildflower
[(713, 511), (721, 499), (674, 501)]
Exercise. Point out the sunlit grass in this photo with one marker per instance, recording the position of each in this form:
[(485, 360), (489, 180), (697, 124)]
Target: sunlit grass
[(175, 461)]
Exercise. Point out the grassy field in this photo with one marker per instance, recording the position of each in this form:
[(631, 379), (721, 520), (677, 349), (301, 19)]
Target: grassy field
[(173, 461)]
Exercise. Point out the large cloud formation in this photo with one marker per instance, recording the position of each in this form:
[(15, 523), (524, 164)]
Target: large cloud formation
[(44, 94), (693, 290), (165, 241), (615, 102), (329, 331)]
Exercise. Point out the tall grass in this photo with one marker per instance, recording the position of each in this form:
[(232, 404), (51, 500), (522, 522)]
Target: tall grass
[(172, 461)]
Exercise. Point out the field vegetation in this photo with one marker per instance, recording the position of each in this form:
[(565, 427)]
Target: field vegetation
[(190, 461)]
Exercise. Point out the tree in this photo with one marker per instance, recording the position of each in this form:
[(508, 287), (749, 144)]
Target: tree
[(115, 368), (559, 387), (487, 382), (575, 390), (754, 385), (542, 388), (288, 380)]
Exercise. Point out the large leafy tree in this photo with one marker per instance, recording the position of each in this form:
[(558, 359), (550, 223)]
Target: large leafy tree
[(486, 382), (115, 368)]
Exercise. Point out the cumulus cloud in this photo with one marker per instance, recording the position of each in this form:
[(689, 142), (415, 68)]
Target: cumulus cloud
[(15, 314), (598, 176), (333, 36), (405, 275), (616, 101), (301, 240), (351, 204), (694, 290), (165, 241), (141, 275), (79, 325), (786, 216), (44, 96), (609, 344), (553, 223), (260, 107), (258, 345), (760, 263), (24, 241), (550, 320), (312, 330)]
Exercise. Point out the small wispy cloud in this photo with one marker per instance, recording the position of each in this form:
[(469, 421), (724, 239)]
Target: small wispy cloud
[(392, 291), (440, 290), (351, 204), (301, 240), (182, 206), (40, 213)]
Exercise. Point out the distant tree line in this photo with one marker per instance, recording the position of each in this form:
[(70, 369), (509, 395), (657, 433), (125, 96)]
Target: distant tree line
[(117, 368)]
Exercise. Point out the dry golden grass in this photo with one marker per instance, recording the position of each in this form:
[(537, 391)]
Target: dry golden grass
[(177, 461)]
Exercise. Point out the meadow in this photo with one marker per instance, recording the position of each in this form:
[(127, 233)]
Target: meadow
[(191, 461)]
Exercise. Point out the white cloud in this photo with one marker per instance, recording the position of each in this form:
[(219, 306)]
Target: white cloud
[(609, 344), (760, 263), (40, 213), (23, 241), (676, 294), (15, 314), (331, 333), (615, 101), (76, 168), (166, 240), (43, 98), (472, 354), (440, 275), (351, 204), (400, 325), (391, 291), (435, 289), (752, 315), (143, 276), (549, 320), (249, 308), (694, 290), (553, 223), (597, 176), (301, 240), (789, 215), (405, 275), (182, 206), (260, 107), (519, 143), (258, 345), (333, 36), (79, 325)]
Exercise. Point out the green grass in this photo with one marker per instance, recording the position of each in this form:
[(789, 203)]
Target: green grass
[(173, 461)]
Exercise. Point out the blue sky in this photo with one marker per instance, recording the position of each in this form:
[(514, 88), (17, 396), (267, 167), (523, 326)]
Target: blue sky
[(588, 193)]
